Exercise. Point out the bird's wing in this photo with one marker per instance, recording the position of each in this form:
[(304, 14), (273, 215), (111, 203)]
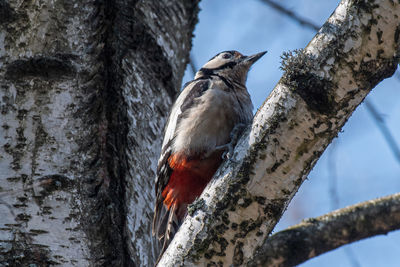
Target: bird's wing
[(192, 90)]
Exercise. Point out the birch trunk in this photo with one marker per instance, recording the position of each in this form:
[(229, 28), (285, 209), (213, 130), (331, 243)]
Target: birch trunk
[(355, 49), (85, 89)]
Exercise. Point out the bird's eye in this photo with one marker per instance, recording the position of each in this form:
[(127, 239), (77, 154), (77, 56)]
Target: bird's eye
[(226, 56)]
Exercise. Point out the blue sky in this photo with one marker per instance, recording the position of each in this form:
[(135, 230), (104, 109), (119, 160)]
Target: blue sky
[(359, 158)]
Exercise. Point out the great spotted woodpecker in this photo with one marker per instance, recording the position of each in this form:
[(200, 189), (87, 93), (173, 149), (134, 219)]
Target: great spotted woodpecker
[(198, 130)]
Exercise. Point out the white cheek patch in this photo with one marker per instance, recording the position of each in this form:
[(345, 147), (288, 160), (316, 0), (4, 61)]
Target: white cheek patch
[(215, 63)]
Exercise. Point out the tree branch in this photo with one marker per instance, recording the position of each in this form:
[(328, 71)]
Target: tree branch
[(321, 87), (372, 111), (335, 229)]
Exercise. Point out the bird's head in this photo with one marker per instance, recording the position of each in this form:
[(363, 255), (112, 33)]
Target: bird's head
[(231, 65)]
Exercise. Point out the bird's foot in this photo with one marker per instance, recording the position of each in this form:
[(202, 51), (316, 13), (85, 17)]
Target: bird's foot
[(228, 151), (229, 147)]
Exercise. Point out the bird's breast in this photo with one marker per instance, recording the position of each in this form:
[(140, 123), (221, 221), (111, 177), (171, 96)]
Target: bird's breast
[(209, 122)]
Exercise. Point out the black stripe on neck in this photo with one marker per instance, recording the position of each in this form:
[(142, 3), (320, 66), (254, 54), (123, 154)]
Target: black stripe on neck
[(205, 77), (227, 83)]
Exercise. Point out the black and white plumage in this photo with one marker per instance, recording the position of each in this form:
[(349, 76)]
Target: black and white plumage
[(199, 125)]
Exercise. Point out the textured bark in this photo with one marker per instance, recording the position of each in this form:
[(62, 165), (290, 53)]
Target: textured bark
[(85, 89), (356, 49), (319, 235)]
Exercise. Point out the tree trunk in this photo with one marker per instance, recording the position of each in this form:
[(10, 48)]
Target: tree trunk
[(356, 49), (85, 88)]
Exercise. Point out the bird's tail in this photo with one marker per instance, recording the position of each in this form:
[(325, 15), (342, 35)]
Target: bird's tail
[(169, 222)]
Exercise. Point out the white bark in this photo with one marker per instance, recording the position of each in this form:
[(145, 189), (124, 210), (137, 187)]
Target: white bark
[(85, 89), (356, 48), (148, 95), (39, 135)]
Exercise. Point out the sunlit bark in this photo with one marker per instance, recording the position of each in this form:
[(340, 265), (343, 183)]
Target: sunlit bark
[(85, 90)]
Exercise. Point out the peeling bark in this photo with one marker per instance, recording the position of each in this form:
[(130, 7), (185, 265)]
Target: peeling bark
[(316, 236), (356, 48), (85, 90)]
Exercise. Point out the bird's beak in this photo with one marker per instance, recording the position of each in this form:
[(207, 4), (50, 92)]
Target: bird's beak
[(253, 58)]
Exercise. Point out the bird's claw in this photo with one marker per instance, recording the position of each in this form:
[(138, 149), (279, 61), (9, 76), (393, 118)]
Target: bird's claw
[(229, 147), (228, 151)]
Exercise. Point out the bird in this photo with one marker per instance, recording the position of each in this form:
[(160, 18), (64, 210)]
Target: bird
[(198, 136)]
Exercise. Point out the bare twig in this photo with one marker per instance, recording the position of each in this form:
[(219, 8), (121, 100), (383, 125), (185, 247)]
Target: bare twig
[(334, 196), (319, 235), (192, 64), (380, 122), (333, 192), (302, 21)]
